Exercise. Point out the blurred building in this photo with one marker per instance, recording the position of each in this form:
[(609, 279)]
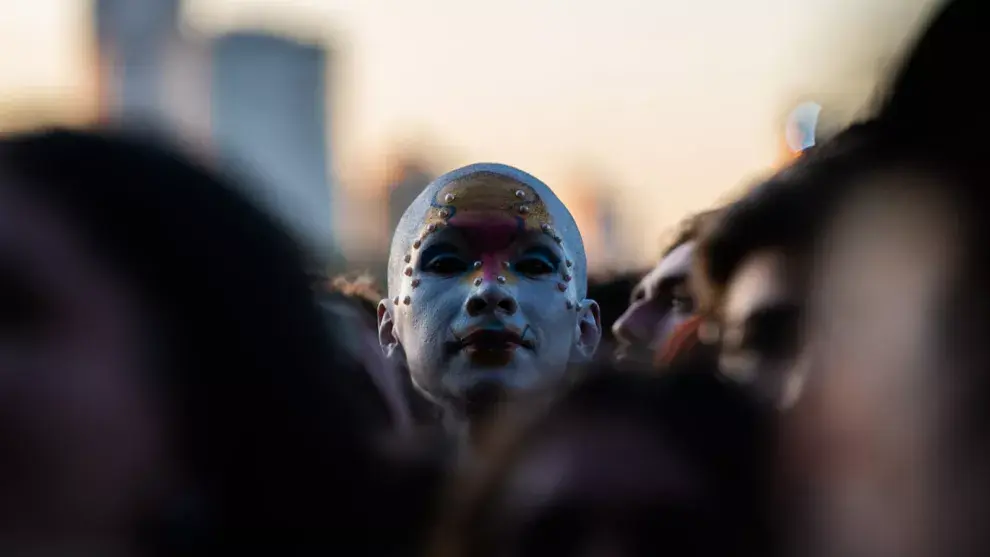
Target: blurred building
[(134, 38), (248, 100), (592, 203), (408, 179), (269, 117)]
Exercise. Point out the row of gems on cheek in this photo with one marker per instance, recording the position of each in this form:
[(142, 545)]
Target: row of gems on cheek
[(408, 271), (565, 272)]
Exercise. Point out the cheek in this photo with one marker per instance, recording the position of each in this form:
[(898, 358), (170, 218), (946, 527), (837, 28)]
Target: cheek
[(432, 306), (549, 314)]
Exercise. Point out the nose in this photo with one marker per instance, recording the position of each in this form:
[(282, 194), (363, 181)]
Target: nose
[(491, 298), (627, 327)]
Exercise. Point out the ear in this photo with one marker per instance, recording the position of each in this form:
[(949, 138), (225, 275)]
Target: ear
[(387, 338), (588, 333)]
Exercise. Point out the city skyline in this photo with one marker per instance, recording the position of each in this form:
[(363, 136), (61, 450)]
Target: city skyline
[(649, 94)]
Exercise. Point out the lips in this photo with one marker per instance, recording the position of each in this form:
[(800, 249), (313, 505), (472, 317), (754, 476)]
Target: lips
[(494, 340)]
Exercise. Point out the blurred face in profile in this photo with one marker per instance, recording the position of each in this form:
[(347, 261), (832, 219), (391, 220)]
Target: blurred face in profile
[(80, 433), (760, 321), (660, 303), (871, 423)]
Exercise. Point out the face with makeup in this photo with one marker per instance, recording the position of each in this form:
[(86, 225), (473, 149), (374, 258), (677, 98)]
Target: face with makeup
[(487, 283)]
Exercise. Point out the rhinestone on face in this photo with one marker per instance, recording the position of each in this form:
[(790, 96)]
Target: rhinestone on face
[(449, 198), (407, 300), (407, 258), (416, 244), (520, 194), (396, 300), (408, 272), (561, 286), (524, 210), (506, 264), (432, 227), (569, 263), (569, 304), (567, 277), (500, 279), (558, 239), (545, 227), (444, 213), (477, 282), (477, 264), (415, 283)]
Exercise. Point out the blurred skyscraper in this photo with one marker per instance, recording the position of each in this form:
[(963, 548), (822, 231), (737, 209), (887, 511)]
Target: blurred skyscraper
[(592, 204), (409, 178), (134, 37), (254, 101), (269, 118)]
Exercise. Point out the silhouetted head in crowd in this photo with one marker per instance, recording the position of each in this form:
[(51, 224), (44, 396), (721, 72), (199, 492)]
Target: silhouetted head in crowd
[(487, 289), (661, 301), (624, 465), (895, 418), (362, 290), (363, 293), (351, 315), (751, 274), (168, 382)]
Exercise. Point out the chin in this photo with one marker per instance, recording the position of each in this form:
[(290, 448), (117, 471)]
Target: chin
[(514, 375)]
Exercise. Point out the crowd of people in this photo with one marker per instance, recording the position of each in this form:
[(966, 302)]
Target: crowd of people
[(804, 371)]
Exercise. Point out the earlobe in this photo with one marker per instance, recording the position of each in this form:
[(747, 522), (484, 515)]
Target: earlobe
[(386, 329), (589, 332)]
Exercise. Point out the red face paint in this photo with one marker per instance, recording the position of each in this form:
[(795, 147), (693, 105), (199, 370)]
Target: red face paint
[(491, 212)]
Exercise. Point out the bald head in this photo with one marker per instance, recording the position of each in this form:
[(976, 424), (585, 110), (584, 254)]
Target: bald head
[(487, 288), (487, 189)]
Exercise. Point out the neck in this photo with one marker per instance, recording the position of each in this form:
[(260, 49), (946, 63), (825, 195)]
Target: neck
[(467, 432)]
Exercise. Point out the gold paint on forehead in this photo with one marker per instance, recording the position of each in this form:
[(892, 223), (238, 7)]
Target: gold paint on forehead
[(485, 192)]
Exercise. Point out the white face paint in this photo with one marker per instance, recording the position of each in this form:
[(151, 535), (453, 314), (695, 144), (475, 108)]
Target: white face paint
[(486, 295)]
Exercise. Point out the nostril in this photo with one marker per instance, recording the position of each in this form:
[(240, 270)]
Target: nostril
[(476, 305), (508, 305)]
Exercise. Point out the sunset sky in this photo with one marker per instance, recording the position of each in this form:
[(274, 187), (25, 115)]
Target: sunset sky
[(675, 103)]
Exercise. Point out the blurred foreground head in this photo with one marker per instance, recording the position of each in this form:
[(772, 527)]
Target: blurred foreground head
[(751, 277), (623, 465), (893, 432), (165, 377)]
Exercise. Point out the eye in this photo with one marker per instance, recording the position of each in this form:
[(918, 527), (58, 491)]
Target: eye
[(446, 265), (682, 304), (534, 266)]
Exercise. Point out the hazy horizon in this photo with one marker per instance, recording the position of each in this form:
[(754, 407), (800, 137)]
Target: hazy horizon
[(674, 104)]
